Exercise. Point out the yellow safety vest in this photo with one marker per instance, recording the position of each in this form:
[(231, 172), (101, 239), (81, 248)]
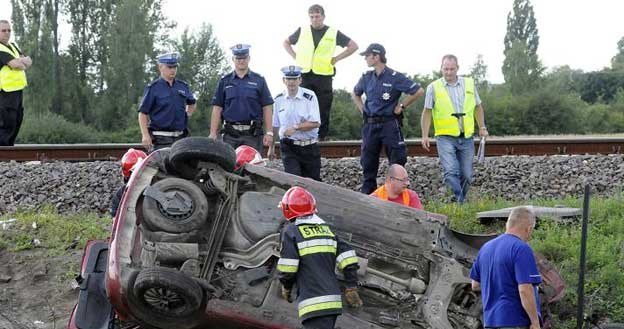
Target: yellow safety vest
[(444, 123), (382, 194), (11, 79), (316, 60)]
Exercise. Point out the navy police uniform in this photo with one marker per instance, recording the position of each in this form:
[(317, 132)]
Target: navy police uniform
[(166, 106), (381, 126), (310, 252), (300, 152), (242, 100)]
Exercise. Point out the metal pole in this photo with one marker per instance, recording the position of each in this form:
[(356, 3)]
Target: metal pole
[(581, 280)]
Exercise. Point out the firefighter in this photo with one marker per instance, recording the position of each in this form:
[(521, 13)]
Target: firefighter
[(246, 154), (129, 161), (310, 253)]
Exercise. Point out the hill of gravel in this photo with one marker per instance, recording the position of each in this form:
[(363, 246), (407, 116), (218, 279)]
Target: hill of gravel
[(71, 187)]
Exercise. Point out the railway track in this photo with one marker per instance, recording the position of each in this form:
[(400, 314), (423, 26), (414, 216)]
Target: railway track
[(532, 146)]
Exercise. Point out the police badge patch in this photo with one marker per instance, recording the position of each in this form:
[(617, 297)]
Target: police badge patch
[(385, 96)]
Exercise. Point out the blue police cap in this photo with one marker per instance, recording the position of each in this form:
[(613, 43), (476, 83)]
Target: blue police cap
[(374, 48), (291, 71), (240, 50), (169, 58)]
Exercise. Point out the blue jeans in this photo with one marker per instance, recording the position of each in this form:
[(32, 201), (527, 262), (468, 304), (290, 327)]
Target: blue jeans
[(456, 155)]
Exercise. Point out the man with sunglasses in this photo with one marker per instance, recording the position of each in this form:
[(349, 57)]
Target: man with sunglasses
[(395, 188), (13, 65), (167, 103), (243, 104), (382, 113)]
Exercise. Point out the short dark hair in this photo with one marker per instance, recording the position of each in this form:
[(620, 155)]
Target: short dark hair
[(4, 21), (450, 57), (382, 58), (316, 8)]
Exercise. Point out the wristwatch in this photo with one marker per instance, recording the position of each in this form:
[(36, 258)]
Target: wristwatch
[(270, 133), (402, 106)]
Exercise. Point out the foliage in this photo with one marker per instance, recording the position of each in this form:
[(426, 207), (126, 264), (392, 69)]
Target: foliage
[(50, 128), (478, 72), (521, 67), (560, 243), (617, 62)]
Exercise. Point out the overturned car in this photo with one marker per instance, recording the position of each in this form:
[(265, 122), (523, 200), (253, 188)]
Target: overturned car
[(194, 245)]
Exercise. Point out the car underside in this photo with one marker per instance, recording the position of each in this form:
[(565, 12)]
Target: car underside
[(196, 246)]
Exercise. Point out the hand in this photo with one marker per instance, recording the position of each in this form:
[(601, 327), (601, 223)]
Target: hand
[(286, 294), (333, 60), (289, 131), (353, 298), (26, 60), (271, 153), (397, 110), (425, 143), (146, 140), (535, 326), (267, 140), (190, 110), (483, 132), (212, 136)]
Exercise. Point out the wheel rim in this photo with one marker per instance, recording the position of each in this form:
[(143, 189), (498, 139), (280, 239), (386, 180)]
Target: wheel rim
[(164, 299), (176, 214)]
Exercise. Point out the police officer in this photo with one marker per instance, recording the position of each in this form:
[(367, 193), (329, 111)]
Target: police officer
[(167, 103), (12, 83), (382, 113), (243, 103), (309, 254), (316, 44), (297, 119)]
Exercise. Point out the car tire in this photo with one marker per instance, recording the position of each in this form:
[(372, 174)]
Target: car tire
[(166, 298), (186, 153), (159, 219)]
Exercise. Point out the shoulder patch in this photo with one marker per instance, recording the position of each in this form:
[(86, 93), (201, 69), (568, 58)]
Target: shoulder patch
[(308, 96), (183, 82)]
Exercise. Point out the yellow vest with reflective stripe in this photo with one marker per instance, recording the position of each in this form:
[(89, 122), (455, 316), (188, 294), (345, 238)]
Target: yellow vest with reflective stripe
[(382, 194), (316, 60), (444, 123), (11, 79)]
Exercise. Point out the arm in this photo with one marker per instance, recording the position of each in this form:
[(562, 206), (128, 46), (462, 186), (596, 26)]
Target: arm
[(303, 126), (359, 104), (215, 121), (26, 60), (351, 48), (146, 139), (425, 123), (479, 113), (267, 113), (190, 109), (476, 285), (527, 297), (407, 101), (17, 64), (289, 49)]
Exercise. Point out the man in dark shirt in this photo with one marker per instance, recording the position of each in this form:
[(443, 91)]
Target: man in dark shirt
[(12, 82), (315, 55), (383, 87), (167, 103)]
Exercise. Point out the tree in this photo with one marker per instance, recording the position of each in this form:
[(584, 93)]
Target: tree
[(617, 62), (478, 72), (521, 68)]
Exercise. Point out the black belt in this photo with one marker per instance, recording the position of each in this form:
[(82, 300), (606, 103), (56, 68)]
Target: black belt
[(247, 122), (378, 119)]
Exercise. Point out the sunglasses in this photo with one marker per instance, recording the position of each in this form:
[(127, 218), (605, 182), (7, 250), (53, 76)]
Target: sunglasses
[(6, 30)]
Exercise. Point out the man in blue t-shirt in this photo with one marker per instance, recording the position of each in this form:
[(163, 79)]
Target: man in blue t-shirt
[(506, 273)]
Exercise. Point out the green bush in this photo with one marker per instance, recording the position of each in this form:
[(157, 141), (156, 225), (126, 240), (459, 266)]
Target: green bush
[(50, 128)]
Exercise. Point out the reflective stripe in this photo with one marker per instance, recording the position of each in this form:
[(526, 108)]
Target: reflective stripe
[(321, 303), (288, 265), (314, 219), (317, 246), (319, 299), (346, 258)]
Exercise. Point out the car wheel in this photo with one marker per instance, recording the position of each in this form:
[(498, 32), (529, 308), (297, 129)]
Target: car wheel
[(186, 153), (174, 219), (166, 298)]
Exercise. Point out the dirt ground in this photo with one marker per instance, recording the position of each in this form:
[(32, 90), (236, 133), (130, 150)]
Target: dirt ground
[(40, 292)]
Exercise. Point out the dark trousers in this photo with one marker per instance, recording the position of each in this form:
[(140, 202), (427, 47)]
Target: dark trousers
[(321, 85), (321, 322), (304, 161), (160, 142), (11, 116), (374, 136), (244, 139)]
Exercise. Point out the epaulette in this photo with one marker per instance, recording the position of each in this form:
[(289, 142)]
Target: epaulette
[(308, 96), (279, 95), (183, 82), (149, 85)]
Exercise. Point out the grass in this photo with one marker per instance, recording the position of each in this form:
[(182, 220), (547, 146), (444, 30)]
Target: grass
[(560, 243)]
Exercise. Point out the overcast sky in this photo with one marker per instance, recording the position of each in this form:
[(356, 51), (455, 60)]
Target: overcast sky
[(416, 34)]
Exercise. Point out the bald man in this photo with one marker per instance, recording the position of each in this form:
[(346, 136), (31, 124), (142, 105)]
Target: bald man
[(395, 188), (506, 273)]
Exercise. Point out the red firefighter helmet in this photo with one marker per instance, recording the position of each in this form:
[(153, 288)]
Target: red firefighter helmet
[(247, 154), (130, 159), (297, 202)]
